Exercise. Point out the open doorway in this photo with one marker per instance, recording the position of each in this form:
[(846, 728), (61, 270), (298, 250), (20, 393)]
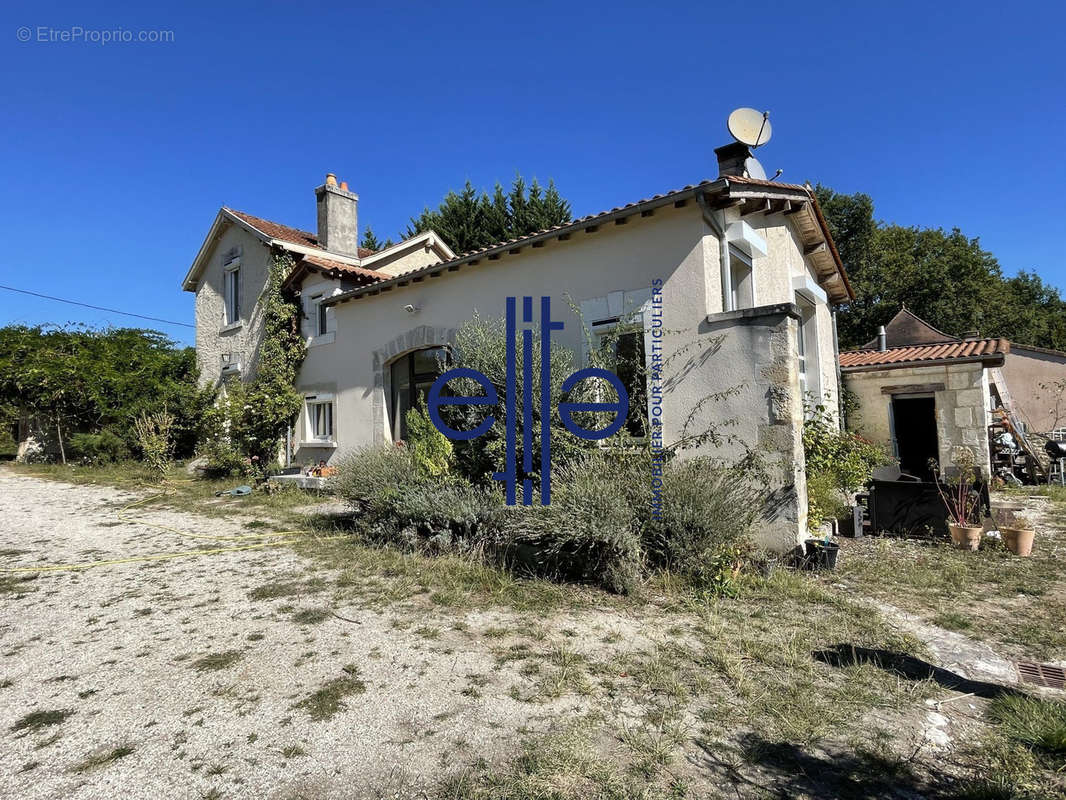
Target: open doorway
[(914, 431)]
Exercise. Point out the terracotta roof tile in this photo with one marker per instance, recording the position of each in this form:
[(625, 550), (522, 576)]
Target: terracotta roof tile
[(367, 275), (275, 230), (593, 219), (763, 182), (970, 350)]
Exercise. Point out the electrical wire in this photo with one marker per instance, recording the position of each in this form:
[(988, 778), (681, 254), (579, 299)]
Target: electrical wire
[(97, 308)]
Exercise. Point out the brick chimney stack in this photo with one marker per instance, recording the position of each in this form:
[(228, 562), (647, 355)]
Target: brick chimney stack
[(338, 217), (731, 158)]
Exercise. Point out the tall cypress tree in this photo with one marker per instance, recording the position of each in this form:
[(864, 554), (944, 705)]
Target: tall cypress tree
[(468, 220)]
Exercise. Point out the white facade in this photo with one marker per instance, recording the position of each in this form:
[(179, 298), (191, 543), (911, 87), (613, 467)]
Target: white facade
[(733, 325)]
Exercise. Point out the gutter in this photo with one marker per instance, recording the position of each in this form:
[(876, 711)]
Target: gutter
[(723, 248), (840, 379)]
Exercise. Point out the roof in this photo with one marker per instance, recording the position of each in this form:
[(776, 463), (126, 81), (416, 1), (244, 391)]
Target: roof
[(1033, 348), (908, 328), (984, 350), (275, 230), (307, 251), (334, 269), (759, 195)]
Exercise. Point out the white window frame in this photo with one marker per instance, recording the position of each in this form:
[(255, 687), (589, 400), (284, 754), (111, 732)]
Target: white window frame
[(231, 293), (809, 366), (604, 313), (312, 404), (321, 317), (317, 330)]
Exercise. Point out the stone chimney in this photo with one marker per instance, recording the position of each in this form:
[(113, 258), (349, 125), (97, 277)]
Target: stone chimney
[(731, 158), (338, 217)]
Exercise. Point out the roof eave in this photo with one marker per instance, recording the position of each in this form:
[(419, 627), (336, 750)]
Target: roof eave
[(192, 277), (592, 221), (989, 359)]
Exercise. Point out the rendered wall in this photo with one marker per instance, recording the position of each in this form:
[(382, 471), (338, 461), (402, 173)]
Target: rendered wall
[(1041, 408), (676, 246)]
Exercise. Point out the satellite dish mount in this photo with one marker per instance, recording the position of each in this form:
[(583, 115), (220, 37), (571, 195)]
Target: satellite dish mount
[(751, 129)]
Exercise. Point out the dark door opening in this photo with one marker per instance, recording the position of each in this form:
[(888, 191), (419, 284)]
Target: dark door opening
[(914, 426)]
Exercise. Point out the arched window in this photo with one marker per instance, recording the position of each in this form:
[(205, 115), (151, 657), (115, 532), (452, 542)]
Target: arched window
[(411, 376)]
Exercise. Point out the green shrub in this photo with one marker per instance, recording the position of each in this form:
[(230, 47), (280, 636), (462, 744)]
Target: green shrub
[(838, 462), (369, 477), (481, 344), (155, 440), (223, 460), (105, 447), (401, 504), (430, 449), (590, 532), (599, 527), (707, 515), (824, 498)]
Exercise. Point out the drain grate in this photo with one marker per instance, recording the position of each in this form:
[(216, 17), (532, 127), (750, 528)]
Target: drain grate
[(1047, 675)]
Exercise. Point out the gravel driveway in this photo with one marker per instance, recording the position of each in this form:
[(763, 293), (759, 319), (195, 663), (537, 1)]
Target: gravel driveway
[(219, 675)]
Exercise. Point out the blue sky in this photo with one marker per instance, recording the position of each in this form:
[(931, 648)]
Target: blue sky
[(116, 157)]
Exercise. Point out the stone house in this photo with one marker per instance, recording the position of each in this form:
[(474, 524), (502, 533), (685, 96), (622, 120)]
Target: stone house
[(922, 393), (742, 272)]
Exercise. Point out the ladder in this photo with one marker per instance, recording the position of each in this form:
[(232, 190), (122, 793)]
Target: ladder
[(1008, 420)]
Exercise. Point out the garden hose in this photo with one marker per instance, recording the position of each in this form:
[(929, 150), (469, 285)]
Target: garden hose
[(123, 514)]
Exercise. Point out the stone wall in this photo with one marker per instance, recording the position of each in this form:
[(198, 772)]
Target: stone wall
[(759, 355), (961, 395)]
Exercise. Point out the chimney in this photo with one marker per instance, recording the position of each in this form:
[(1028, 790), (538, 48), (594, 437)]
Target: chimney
[(731, 158), (882, 339), (338, 217)]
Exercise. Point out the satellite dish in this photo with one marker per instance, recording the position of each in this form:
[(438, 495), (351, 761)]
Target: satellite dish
[(754, 169), (750, 127)]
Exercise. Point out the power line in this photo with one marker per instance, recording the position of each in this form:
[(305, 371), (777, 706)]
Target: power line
[(97, 308)]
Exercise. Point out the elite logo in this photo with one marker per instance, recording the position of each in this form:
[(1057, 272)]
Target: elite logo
[(509, 475)]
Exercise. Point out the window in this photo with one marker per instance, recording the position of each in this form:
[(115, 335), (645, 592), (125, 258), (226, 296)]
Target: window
[(232, 294), (622, 347), (411, 376), (320, 417), (323, 319), (807, 348), (741, 288), (317, 312)]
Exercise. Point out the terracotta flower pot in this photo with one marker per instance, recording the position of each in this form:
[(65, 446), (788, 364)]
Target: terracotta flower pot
[(965, 538), (1018, 540)]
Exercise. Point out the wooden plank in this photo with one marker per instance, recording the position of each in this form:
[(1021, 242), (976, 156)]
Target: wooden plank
[(913, 388), (757, 208)]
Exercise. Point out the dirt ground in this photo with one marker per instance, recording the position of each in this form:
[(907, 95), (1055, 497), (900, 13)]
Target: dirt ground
[(241, 668), (127, 650)]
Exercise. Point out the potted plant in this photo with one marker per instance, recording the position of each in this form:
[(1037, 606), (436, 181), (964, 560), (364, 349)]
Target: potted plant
[(1015, 530), (821, 553), (960, 500)]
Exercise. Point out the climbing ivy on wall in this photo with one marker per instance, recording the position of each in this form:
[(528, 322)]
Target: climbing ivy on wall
[(245, 429)]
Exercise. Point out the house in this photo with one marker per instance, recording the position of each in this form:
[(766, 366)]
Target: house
[(922, 393), (749, 280)]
